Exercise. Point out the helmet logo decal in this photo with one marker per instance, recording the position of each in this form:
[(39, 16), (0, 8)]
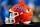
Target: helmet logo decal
[(18, 8)]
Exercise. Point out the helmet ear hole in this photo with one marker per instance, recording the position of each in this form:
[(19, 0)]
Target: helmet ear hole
[(20, 18)]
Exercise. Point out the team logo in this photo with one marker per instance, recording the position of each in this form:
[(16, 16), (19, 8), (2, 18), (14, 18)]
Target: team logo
[(21, 9)]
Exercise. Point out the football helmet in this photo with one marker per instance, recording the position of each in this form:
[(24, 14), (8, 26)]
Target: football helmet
[(20, 13)]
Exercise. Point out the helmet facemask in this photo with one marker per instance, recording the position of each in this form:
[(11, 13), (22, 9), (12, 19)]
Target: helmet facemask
[(12, 16)]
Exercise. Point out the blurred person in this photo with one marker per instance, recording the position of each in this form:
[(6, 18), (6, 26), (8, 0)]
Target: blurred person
[(4, 10)]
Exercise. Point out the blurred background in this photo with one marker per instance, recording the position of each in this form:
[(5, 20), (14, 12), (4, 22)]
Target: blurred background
[(5, 5)]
